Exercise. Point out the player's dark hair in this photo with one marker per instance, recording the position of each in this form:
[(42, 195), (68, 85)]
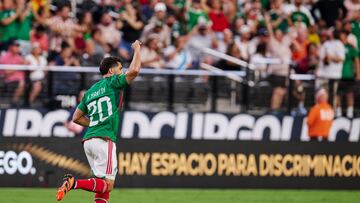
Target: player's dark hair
[(107, 63)]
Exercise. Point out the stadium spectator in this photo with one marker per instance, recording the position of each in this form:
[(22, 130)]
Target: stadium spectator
[(61, 24), (194, 11), (328, 11), (160, 13), (243, 42), (109, 32), (216, 16), (279, 47), (177, 56), (313, 36), (132, 26), (351, 37), (259, 60), (225, 41), (35, 58), (232, 50), (65, 82), (150, 56), (14, 79), (320, 117), (311, 61), (279, 19), (159, 28), (352, 7), (24, 25), (332, 55), (201, 37), (300, 15), (8, 29), (350, 72), (38, 35), (87, 23)]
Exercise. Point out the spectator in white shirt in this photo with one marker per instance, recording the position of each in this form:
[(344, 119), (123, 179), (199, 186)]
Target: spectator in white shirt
[(37, 76), (332, 55), (150, 57), (177, 57)]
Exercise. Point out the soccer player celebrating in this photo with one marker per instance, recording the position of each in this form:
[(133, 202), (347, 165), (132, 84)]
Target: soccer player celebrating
[(98, 111)]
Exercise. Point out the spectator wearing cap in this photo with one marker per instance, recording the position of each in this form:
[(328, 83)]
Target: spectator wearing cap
[(160, 13), (14, 77), (150, 56), (201, 37), (8, 24), (36, 58), (194, 11), (320, 117)]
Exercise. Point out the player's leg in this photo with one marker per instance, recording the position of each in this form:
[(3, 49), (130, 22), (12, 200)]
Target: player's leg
[(101, 155), (104, 197), (96, 151), (110, 173), (97, 185)]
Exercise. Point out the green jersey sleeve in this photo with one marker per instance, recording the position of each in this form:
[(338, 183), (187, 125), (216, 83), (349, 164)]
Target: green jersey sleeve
[(118, 81), (82, 106)]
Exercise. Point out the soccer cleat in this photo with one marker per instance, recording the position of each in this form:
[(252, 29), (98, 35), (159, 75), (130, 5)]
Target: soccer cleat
[(68, 184)]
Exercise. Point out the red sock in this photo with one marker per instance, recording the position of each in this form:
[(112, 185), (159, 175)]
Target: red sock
[(96, 185), (102, 197)]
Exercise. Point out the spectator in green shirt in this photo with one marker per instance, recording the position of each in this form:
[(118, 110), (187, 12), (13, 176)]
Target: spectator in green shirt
[(194, 12), (350, 72), (24, 25), (8, 24)]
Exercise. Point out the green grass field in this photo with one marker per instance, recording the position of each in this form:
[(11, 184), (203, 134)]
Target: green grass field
[(21, 195)]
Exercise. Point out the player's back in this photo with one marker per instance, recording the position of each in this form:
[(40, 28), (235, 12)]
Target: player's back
[(101, 103)]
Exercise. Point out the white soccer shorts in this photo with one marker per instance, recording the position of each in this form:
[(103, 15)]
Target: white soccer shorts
[(101, 155)]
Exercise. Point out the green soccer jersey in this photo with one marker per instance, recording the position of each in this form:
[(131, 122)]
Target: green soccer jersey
[(102, 103)]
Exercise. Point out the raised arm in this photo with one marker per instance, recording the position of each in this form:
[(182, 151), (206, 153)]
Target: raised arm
[(269, 26), (135, 65)]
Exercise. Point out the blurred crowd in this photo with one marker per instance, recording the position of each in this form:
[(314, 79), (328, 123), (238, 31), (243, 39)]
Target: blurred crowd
[(307, 36)]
